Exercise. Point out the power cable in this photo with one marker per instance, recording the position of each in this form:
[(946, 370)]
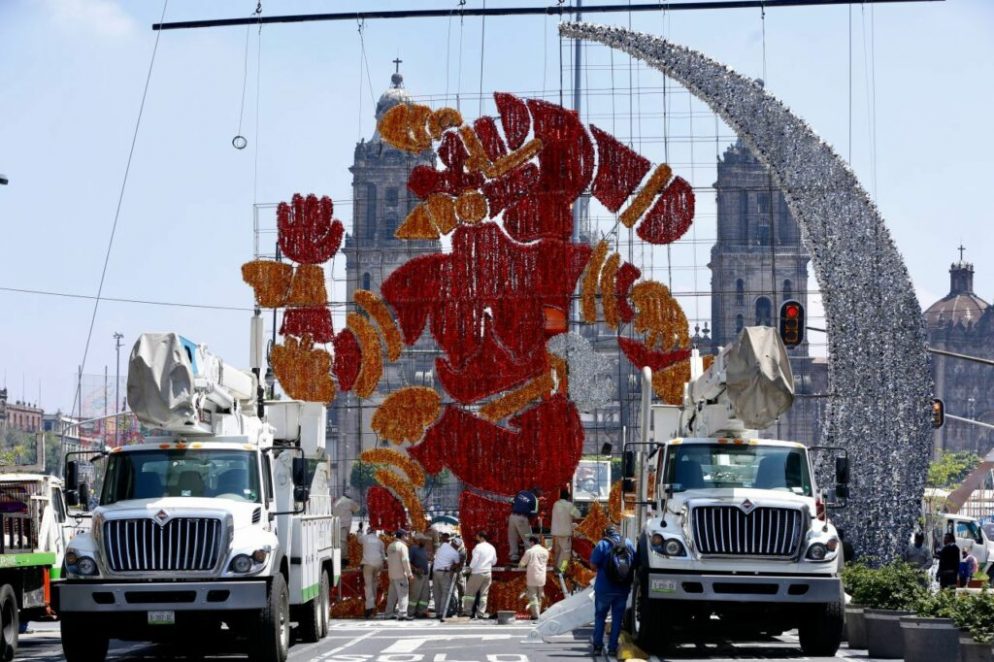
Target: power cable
[(483, 50), (120, 201), (147, 302)]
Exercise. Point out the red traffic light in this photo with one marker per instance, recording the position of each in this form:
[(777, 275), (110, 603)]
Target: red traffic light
[(792, 311), (792, 323)]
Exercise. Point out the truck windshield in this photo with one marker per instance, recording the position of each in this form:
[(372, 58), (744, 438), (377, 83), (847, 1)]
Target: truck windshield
[(225, 474), (709, 466)]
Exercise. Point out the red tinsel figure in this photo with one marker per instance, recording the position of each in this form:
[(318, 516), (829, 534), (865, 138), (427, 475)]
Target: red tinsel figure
[(315, 320), (385, 512), (307, 232)]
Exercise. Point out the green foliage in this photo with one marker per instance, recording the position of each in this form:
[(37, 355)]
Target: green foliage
[(362, 475), (981, 576), (893, 586), (974, 614), (948, 470), (941, 604)]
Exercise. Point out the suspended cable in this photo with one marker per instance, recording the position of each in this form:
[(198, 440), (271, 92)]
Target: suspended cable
[(120, 201), (462, 4), (850, 85), (147, 302), (239, 142), (483, 50)]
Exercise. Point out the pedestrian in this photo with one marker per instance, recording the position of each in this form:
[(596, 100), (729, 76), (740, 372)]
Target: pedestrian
[(536, 564), (399, 571), (967, 567), (480, 565), (344, 508), (447, 561), (458, 575), (519, 529), (563, 514), (949, 557), (372, 564), (420, 585), (614, 559), (917, 554)]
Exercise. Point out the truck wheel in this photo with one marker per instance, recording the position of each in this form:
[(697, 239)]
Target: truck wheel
[(9, 625), (81, 642), (821, 631), (314, 616), (647, 624), (270, 638)]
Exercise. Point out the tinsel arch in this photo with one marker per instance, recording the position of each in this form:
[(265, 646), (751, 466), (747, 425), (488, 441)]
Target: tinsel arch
[(878, 367)]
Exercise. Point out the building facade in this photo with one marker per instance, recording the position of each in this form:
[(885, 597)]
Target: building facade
[(963, 323), (757, 263), (19, 415)]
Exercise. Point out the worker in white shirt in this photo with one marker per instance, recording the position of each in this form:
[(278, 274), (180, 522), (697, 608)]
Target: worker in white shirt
[(372, 565), (536, 564), (399, 570), (563, 514), (344, 508), (447, 562), (480, 565)]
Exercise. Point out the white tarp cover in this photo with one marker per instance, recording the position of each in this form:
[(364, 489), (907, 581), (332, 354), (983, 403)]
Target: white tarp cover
[(758, 376), (160, 381)]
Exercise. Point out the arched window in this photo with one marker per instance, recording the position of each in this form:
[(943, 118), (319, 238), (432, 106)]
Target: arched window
[(389, 226), (763, 233), (764, 312), (739, 292), (390, 196), (739, 323), (788, 290), (369, 231), (366, 281)]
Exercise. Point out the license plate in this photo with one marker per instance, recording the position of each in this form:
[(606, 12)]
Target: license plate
[(162, 618), (662, 586)]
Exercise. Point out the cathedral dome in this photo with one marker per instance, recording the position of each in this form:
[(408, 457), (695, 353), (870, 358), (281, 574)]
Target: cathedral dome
[(394, 96), (961, 305)]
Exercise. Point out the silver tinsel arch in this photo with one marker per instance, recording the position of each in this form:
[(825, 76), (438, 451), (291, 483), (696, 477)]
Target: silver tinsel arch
[(879, 381)]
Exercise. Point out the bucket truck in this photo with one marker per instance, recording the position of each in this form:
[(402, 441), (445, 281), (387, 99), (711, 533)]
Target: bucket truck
[(732, 531), (222, 516)]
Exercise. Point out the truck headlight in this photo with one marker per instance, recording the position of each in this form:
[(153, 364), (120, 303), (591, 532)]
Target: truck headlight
[(817, 552), (241, 564), (86, 566), (673, 547)]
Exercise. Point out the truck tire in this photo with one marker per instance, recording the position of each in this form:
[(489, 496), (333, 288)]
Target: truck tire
[(9, 625), (82, 642), (314, 615), (270, 635), (821, 631), (646, 620)]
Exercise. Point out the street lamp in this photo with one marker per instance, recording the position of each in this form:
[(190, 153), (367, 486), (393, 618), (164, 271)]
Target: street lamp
[(117, 391)]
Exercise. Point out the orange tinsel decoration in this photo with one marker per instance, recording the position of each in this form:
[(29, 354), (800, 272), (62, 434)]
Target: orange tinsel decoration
[(349, 608), (580, 574), (614, 503), (372, 359), (660, 316), (378, 310), (404, 491), (588, 289), (303, 372), (269, 280), (395, 458), (307, 287), (608, 298), (657, 180), (592, 526), (404, 127), (355, 550), (506, 595), (406, 413), (668, 383)]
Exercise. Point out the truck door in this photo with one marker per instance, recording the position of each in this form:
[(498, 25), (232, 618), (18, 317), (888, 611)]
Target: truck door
[(62, 532), (969, 536)]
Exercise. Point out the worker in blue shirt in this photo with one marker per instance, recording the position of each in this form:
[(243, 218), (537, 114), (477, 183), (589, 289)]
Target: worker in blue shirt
[(614, 558), (519, 528)]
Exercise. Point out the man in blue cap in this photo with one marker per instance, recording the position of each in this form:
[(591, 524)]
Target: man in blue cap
[(614, 558)]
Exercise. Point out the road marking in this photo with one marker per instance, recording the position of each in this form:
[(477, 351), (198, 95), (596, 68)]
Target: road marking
[(333, 651), (411, 644)]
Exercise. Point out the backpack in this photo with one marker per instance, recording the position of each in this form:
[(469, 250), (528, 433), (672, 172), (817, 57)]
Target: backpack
[(619, 562)]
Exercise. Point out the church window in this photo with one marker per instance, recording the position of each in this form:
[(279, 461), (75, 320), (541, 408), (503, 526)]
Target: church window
[(743, 216), (788, 290), (763, 234), (366, 281), (389, 226), (739, 323), (739, 292), (391, 196), (763, 203), (764, 312), (369, 231)]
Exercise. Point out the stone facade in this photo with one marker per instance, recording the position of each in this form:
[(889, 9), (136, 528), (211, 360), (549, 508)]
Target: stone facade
[(19, 415), (758, 263), (962, 322)]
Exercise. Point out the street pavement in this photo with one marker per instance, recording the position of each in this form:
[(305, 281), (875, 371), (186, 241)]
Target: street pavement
[(431, 641)]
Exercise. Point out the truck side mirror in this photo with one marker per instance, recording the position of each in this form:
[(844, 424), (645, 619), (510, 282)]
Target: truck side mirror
[(72, 498), (628, 464), (841, 491), (300, 474), (301, 494), (842, 470), (72, 476), (84, 496)]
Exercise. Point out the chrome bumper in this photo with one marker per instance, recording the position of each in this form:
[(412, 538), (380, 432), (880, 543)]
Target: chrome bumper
[(161, 596), (739, 588)]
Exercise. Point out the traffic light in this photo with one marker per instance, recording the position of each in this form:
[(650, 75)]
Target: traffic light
[(938, 413), (791, 323)]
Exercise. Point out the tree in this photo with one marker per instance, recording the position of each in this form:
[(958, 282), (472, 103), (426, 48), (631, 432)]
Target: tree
[(948, 470), (362, 476)]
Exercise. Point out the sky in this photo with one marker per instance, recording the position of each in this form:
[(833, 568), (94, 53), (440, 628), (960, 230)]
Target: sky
[(903, 91)]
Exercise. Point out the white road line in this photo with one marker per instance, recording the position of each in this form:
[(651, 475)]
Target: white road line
[(411, 644), (333, 651)]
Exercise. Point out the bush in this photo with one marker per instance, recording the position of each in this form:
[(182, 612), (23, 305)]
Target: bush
[(974, 614), (897, 586), (942, 604)]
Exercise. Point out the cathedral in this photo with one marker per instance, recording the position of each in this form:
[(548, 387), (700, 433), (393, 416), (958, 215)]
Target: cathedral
[(757, 263), (963, 323)]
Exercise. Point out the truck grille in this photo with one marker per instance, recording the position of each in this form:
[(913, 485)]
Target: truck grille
[(183, 543), (763, 532)]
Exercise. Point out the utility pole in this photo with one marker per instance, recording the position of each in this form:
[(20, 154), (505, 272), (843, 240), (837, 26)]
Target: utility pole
[(117, 391)]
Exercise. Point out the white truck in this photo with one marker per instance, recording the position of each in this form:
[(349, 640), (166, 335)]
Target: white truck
[(223, 516), (732, 531)]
